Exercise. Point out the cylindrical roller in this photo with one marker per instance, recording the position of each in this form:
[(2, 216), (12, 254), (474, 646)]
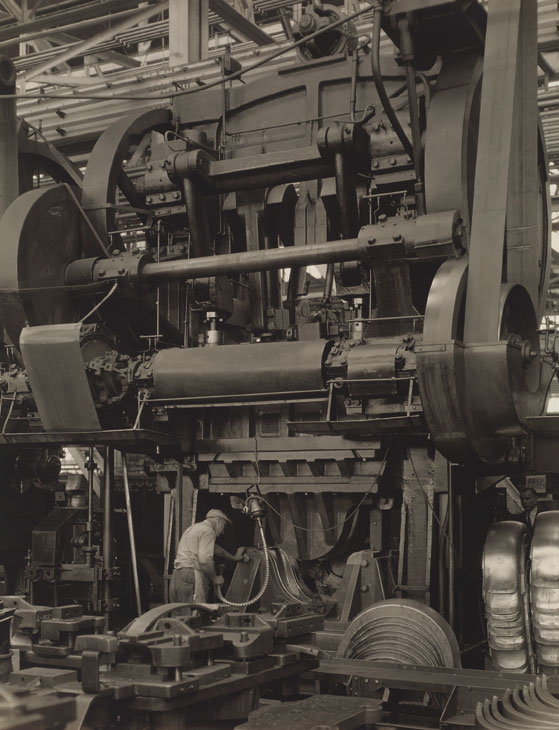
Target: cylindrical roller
[(372, 362), (274, 367)]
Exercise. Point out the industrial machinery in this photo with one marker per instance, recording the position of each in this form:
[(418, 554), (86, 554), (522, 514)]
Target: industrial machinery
[(316, 295)]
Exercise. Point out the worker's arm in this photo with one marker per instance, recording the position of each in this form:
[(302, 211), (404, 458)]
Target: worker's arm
[(206, 548), (220, 552), (209, 570)]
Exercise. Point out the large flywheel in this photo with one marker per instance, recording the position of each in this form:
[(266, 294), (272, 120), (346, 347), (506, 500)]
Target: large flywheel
[(480, 368)]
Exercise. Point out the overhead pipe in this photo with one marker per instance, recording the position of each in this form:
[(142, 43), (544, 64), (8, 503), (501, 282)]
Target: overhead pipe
[(379, 83)]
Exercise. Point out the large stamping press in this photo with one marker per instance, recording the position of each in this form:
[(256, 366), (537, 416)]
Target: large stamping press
[(312, 299)]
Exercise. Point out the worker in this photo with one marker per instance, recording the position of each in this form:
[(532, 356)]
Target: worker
[(530, 509), (194, 567)]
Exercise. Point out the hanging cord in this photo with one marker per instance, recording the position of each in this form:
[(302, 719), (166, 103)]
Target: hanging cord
[(10, 410), (260, 524), (379, 83), (349, 516), (431, 508), (547, 389), (265, 582), (101, 302), (86, 220)]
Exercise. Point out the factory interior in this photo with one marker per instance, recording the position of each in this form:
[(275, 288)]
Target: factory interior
[(279, 364)]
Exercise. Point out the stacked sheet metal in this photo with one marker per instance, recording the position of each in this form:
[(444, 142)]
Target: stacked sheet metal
[(506, 597), (401, 631), (56, 372), (544, 588), (531, 706)]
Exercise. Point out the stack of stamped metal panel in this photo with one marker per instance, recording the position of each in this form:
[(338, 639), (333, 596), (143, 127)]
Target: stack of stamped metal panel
[(544, 587), (401, 631), (506, 597), (531, 706)]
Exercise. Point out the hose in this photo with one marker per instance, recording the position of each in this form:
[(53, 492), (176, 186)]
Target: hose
[(379, 83), (260, 593)]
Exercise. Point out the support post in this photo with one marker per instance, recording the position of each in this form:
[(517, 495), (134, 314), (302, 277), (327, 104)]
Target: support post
[(188, 31), (418, 486), (9, 179), (108, 479), (130, 521)]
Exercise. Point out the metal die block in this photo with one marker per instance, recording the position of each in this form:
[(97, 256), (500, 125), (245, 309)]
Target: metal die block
[(170, 655), (103, 643), (55, 629), (289, 628), (204, 675), (252, 666), (46, 677), (65, 612), (166, 690), (246, 636), (333, 712)]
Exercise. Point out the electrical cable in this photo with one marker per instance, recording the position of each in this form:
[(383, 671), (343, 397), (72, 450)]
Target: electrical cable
[(379, 83), (435, 516), (265, 582), (101, 302), (217, 82), (70, 288), (306, 529), (547, 389), (348, 517)]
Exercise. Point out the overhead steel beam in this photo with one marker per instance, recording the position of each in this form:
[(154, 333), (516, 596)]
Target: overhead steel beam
[(120, 59), (188, 31), (240, 23), (42, 44), (49, 20), (81, 48), (48, 32), (116, 57), (14, 9)]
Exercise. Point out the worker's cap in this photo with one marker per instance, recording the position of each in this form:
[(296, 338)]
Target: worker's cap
[(219, 514)]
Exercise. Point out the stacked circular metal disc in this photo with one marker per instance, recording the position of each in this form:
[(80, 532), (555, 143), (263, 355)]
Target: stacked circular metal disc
[(531, 706), (506, 596), (401, 631)]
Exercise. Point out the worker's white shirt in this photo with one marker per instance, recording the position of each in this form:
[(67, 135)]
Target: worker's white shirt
[(532, 515), (196, 546)]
